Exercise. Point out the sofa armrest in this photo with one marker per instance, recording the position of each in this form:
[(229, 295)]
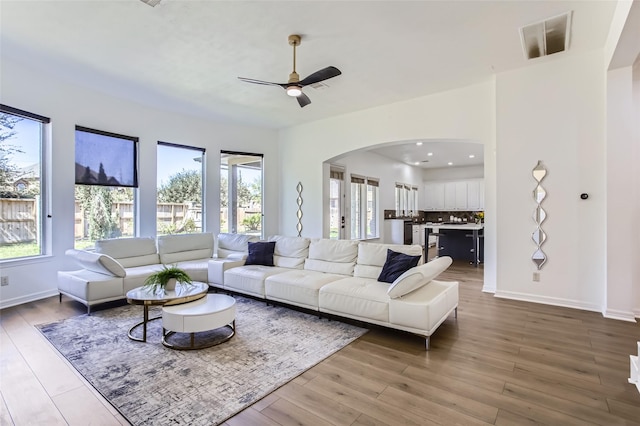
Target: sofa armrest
[(97, 262), (237, 256), (217, 268)]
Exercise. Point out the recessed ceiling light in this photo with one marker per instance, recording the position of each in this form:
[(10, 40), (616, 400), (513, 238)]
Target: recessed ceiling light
[(472, 156), (450, 163), (419, 143), (429, 154), (417, 163)]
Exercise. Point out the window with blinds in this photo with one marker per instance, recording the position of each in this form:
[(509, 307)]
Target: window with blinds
[(406, 200), (364, 207)]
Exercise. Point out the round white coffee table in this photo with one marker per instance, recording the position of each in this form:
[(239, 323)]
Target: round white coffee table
[(209, 313)]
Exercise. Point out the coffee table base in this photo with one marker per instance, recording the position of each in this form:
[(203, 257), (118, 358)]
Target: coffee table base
[(166, 335), (142, 323)]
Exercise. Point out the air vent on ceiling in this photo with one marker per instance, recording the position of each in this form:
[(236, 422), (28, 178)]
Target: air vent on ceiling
[(319, 85), (152, 3), (546, 37)]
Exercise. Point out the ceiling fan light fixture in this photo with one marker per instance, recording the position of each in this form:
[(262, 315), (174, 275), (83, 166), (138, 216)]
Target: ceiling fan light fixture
[(294, 91)]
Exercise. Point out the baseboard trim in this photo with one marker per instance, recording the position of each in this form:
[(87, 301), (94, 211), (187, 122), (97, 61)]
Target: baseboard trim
[(489, 288), (554, 301), (619, 315), (7, 303)]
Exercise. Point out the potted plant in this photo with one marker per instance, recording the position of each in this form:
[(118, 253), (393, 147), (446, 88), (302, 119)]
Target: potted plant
[(167, 278)]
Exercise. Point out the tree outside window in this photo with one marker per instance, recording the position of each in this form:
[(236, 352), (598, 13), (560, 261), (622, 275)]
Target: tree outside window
[(21, 202)]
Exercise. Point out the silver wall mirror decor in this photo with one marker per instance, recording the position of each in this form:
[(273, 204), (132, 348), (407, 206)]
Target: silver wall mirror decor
[(299, 212), (539, 215)]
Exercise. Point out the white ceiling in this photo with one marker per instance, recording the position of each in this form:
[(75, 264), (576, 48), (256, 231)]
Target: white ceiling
[(186, 54), (434, 154)]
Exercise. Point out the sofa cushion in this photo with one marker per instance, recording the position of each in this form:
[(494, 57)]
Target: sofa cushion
[(136, 275), (396, 265), (130, 252), (233, 243), (197, 269), (249, 279), (410, 281), (372, 256), (90, 287), (182, 247), (332, 256), (290, 252), (97, 262), (356, 297), (261, 253), (298, 287), (291, 246)]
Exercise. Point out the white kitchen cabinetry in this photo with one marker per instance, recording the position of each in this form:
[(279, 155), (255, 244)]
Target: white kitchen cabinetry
[(450, 195), (416, 234), (475, 195), (454, 195), (461, 196), (434, 196)]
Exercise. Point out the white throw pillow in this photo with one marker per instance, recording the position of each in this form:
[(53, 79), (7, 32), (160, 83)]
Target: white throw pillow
[(97, 262), (417, 277)]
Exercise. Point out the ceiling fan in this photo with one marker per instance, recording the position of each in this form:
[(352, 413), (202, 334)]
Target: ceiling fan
[(294, 85)]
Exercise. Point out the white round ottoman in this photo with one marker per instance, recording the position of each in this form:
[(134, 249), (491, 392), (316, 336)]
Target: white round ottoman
[(209, 313)]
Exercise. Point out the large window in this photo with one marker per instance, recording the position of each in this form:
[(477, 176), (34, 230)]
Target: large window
[(180, 188), (364, 208), (106, 178), (22, 200), (241, 193)]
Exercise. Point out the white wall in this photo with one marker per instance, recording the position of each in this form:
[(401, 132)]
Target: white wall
[(622, 201), (554, 112), (68, 105)]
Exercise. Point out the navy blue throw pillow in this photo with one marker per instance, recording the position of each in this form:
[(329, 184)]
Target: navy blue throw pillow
[(396, 265), (261, 253)]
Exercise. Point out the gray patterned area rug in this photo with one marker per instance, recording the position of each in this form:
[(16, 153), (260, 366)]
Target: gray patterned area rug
[(150, 384)]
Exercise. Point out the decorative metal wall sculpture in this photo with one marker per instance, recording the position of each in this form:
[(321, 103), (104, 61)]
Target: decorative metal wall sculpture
[(539, 215), (299, 212)]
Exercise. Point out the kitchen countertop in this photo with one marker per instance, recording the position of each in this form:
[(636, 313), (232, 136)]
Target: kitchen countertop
[(461, 225)]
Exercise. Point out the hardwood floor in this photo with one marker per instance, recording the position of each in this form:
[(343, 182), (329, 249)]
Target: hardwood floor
[(500, 362)]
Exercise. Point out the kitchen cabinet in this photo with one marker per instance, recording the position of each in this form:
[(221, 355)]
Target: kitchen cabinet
[(416, 235), (475, 195), (450, 195), (434, 196), (454, 195), (461, 196)]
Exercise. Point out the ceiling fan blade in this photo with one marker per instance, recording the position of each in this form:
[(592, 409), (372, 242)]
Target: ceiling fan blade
[(323, 74), (303, 100), (266, 83)]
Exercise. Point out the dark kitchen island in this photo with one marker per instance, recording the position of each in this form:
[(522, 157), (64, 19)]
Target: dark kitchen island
[(460, 241)]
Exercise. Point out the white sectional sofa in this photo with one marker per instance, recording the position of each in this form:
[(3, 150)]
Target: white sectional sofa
[(340, 277), (337, 277), (119, 265)]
